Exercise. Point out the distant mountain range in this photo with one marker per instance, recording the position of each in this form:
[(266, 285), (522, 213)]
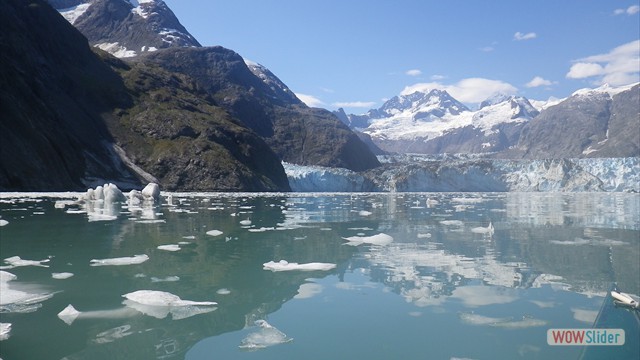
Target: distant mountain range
[(589, 123)]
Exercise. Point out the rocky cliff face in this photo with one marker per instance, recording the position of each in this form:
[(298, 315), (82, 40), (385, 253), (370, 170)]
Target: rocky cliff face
[(297, 133), (596, 123), (71, 118)]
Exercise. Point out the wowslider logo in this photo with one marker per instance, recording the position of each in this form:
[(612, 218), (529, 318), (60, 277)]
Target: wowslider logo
[(584, 337)]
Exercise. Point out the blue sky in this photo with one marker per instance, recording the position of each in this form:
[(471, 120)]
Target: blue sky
[(356, 54)]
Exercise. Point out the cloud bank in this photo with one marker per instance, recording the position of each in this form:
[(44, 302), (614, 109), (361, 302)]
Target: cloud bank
[(522, 36), (310, 100), (620, 66)]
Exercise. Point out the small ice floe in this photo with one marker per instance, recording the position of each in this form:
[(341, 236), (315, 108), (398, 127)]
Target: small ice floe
[(284, 265), (62, 275), (245, 222), (16, 261), (165, 279), (489, 230), (15, 299), (169, 247), (3, 222), (475, 319), (526, 322), (151, 192), (214, 232), (5, 330), (127, 260), (364, 213), (264, 337), (424, 236), (262, 229), (160, 304), (223, 291), (379, 239), (452, 222), (113, 334)]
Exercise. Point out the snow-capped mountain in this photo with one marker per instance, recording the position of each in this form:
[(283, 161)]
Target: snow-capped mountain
[(435, 122), (126, 28)]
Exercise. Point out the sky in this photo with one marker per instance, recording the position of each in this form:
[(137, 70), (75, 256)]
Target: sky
[(356, 54)]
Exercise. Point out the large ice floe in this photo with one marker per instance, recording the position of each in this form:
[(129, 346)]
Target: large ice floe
[(127, 260), (284, 265), (379, 239), (20, 298), (104, 202), (264, 337)]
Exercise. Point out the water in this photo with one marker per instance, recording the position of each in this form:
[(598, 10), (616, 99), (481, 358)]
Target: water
[(444, 287)]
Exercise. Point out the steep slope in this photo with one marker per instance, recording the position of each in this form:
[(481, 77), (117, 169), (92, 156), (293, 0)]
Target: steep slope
[(297, 133), (52, 91), (68, 120), (126, 28), (601, 122)]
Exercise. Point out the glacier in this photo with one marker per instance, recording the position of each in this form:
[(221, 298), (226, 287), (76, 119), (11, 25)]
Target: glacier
[(423, 173)]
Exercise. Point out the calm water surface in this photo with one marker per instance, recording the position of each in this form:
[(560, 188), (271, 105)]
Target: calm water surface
[(439, 286)]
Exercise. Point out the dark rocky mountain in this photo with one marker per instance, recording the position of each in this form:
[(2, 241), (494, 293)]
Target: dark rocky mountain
[(597, 123), (126, 28), (247, 90), (71, 118)]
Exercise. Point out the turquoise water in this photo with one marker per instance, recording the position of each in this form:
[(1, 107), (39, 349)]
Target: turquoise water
[(442, 287)]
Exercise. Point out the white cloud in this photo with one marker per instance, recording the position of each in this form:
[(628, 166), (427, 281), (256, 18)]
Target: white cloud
[(471, 90), (310, 100), (487, 49), (538, 81), (437, 77), (355, 104), (521, 36), (631, 10), (620, 66), (414, 72)]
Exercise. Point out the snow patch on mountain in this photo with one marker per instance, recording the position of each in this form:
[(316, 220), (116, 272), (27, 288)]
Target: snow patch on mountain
[(116, 50), (267, 77), (73, 13), (139, 9), (604, 89)]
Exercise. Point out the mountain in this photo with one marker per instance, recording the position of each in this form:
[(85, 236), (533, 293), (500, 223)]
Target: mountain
[(74, 118), (126, 28), (434, 122), (602, 122), (144, 32)]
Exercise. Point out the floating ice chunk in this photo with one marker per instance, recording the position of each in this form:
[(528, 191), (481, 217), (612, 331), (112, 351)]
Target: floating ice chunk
[(364, 213), (151, 192), (284, 265), (100, 217), (246, 222), (18, 301), (131, 260), (262, 229), (160, 304), (69, 314), (266, 336), (570, 242), (223, 291), (5, 329), (452, 222), (489, 230), (379, 239), (425, 235), (165, 279), (62, 275), (214, 232), (526, 322), (170, 247), (114, 334), (16, 261), (3, 222)]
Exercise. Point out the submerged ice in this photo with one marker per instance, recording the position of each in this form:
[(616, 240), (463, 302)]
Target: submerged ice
[(264, 337)]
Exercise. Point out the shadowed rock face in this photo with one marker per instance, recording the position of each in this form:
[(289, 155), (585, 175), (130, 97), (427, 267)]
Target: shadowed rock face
[(591, 125), (64, 108)]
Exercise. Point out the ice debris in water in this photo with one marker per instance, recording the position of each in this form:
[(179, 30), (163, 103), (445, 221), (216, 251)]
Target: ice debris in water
[(379, 239), (16, 261), (159, 304), (284, 265), (18, 301), (62, 275), (264, 337), (214, 232), (131, 260), (489, 230), (3, 222), (165, 279), (223, 291), (5, 329), (169, 247)]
